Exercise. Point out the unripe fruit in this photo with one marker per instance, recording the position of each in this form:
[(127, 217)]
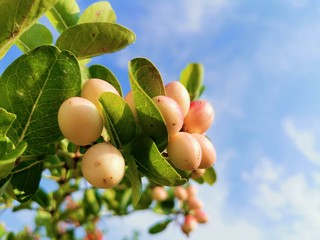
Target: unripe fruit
[(103, 165), (177, 91), (201, 216), (130, 101), (159, 193), (194, 203), (208, 151), (171, 112), (199, 118), (199, 172), (80, 121), (94, 87), (180, 193), (184, 151), (189, 224)]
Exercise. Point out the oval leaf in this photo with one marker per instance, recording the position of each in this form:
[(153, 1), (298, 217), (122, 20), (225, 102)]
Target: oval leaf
[(6, 120), (42, 198), (210, 176), (119, 119), (98, 12), (25, 180), (159, 227), (33, 87), (192, 78), (28, 41), (151, 163), (4, 183), (134, 178), (101, 72), (64, 14), (148, 76), (26, 13), (92, 39), (150, 118)]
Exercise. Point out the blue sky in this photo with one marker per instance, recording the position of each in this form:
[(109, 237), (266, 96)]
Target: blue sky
[(261, 62)]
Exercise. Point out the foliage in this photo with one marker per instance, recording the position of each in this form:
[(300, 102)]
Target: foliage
[(33, 87)]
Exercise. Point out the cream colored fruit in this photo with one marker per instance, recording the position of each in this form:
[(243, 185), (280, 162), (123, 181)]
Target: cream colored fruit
[(80, 121), (94, 87), (180, 193), (177, 91), (194, 203), (208, 151), (191, 190), (159, 193), (171, 112), (199, 118), (103, 165), (184, 151)]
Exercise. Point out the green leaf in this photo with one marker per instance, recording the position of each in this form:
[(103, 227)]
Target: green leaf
[(210, 176), (119, 119), (64, 14), (150, 118), (101, 72), (33, 87), (126, 197), (164, 207), (87, 40), (6, 120), (134, 178), (4, 183), (7, 162), (192, 78), (145, 200), (25, 180), (28, 41), (90, 202), (147, 76), (42, 198), (16, 17), (159, 227), (98, 12), (151, 163)]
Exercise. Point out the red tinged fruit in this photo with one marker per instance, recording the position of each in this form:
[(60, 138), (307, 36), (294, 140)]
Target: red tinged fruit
[(207, 149), (199, 118), (201, 216), (189, 224)]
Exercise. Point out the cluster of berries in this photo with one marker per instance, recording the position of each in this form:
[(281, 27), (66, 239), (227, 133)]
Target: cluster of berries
[(191, 207), (187, 122)]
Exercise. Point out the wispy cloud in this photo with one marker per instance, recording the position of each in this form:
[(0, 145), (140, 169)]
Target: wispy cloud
[(303, 139), (292, 203)]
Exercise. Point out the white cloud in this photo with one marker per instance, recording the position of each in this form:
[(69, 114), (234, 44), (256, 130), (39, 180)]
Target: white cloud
[(292, 203), (304, 140)]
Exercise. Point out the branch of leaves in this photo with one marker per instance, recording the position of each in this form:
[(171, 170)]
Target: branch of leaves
[(95, 29), (137, 127)]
